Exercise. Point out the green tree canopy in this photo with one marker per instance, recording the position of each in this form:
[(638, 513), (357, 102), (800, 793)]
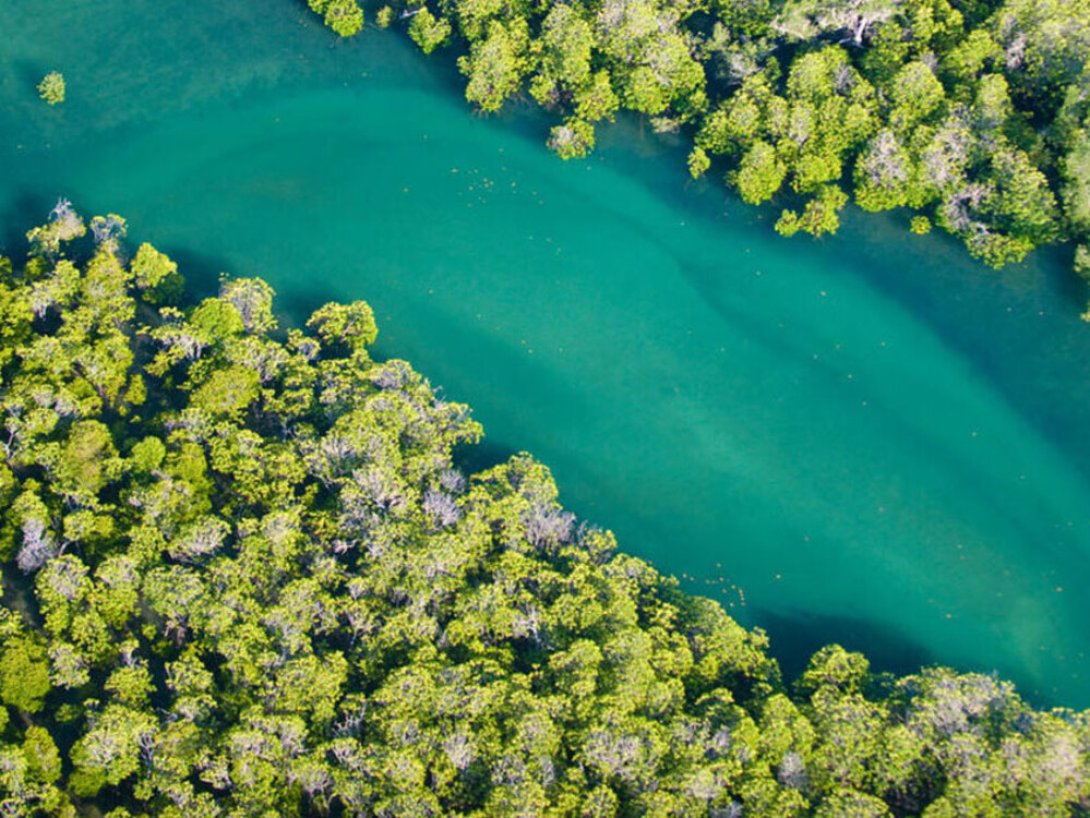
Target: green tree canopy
[(267, 589)]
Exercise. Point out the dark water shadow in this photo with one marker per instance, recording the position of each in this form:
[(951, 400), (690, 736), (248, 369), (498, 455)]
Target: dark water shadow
[(14, 221), (201, 272), (296, 306), (28, 73), (797, 636), (1039, 361), (483, 455), (1060, 271)]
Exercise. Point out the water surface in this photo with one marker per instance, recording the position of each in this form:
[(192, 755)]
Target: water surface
[(870, 439)]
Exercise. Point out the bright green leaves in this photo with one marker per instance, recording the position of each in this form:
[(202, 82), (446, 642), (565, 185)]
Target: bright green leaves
[(351, 326), (760, 174), (192, 685), (147, 455), (252, 299), (310, 686), (1045, 45), (565, 76), (581, 65), (243, 306), (1003, 217), (734, 124), (64, 225), (112, 748), (888, 50), (642, 91), (271, 592), (87, 463), (428, 31), (117, 595), (820, 216), (1076, 192), (24, 673), (43, 759), (884, 173), (566, 44), (802, 138), (915, 95), (496, 64), (198, 540), (345, 17), (227, 392), (216, 320), (846, 802), (670, 77), (28, 774), (901, 103), (992, 106), (130, 685), (52, 88), (156, 274), (970, 57), (1023, 206), (108, 231), (572, 140), (1076, 173), (834, 667), (597, 100), (831, 111), (699, 162), (651, 61), (753, 110)]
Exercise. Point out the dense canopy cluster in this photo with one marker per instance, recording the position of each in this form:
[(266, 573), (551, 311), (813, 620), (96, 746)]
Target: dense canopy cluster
[(243, 575), (973, 113)]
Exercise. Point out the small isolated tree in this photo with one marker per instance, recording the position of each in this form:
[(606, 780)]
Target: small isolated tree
[(52, 87)]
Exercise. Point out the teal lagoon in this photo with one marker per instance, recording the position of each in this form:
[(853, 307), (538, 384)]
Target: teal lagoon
[(870, 439)]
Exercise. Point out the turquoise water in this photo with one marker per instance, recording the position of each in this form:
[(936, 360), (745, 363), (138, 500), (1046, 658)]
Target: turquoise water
[(869, 439)]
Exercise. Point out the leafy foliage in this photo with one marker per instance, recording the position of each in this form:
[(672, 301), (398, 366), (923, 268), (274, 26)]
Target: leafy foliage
[(245, 577), (972, 114)]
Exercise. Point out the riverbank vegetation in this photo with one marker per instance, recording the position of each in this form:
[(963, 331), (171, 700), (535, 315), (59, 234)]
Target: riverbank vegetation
[(243, 575), (972, 114)]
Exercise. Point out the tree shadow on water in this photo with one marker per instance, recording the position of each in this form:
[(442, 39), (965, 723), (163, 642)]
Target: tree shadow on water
[(29, 73), (484, 455), (795, 637), (201, 272), (299, 305), (21, 212)]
